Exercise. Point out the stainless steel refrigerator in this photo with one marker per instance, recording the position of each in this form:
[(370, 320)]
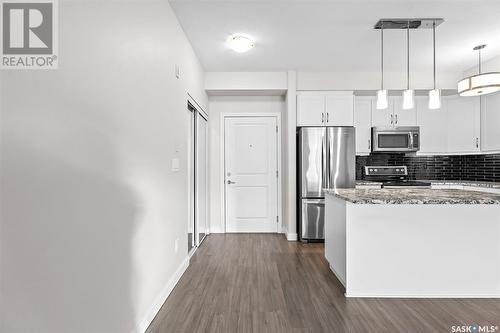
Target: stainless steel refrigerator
[(326, 159)]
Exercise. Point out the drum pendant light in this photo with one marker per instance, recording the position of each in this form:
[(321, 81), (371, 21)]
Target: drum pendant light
[(479, 84), (434, 94), (382, 93), (408, 94)]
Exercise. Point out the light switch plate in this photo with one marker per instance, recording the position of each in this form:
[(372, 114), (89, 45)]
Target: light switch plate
[(175, 164), (177, 72)]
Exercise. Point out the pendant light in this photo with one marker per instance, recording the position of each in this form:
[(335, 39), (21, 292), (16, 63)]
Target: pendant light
[(408, 94), (382, 93), (479, 84), (434, 94)]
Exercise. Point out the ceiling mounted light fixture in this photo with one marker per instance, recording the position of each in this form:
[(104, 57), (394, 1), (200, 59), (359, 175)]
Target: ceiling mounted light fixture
[(240, 43), (382, 93), (408, 94), (479, 84), (434, 94)]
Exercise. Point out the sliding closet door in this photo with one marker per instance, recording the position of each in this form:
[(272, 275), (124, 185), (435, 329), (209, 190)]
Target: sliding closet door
[(201, 177), (191, 236)]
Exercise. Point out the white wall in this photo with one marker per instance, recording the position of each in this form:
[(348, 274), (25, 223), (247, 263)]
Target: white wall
[(491, 65), (90, 207), (231, 104), (245, 83)]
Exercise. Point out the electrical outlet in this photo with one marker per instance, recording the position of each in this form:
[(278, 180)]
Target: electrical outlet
[(176, 245)]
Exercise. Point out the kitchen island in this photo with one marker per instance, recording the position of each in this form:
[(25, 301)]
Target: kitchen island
[(414, 242)]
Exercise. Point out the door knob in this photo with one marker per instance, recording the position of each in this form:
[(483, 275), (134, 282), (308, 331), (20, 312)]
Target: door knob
[(230, 182)]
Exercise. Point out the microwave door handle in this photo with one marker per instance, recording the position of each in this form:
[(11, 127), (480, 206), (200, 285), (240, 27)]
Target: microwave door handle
[(410, 135)]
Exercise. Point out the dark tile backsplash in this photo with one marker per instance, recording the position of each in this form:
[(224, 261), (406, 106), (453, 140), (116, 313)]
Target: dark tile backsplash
[(450, 167)]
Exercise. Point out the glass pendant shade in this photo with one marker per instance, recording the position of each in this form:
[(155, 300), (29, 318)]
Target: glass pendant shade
[(408, 99), (382, 99), (480, 84), (434, 99)]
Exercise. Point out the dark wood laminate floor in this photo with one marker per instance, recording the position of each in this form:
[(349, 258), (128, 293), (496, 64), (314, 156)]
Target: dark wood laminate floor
[(263, 283)]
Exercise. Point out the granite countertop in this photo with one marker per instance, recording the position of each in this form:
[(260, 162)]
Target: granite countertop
[(414, 196), (464, 183)]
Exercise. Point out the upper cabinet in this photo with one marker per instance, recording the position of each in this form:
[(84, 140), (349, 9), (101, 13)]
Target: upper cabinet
[(340, 109), (325, 109), (403, 117), (433, 132), (363, 124), (394, 115), (463, 124), (311, 110), (490, 122)]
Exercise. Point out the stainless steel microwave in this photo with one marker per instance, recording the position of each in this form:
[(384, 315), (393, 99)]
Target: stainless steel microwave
[(395, 139)]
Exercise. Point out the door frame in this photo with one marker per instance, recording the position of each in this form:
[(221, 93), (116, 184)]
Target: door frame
[(277, 116)]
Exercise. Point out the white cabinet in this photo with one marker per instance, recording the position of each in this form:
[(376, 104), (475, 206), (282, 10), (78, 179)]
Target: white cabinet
[(463, 124), (403, 117), (394, 115), (340, 109), (363, 123), (310, 110), (383, 117), (433, 133), (325, 108), (490, 122)]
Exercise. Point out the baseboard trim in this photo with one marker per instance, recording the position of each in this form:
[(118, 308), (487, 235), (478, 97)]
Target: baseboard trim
[(291, 237), (162, 297), (341, 280)]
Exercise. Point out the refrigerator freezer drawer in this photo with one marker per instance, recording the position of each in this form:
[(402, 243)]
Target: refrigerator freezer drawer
[(313, 219)]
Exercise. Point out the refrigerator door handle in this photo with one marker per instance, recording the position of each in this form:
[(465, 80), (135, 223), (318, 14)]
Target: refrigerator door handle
[(324, 160)]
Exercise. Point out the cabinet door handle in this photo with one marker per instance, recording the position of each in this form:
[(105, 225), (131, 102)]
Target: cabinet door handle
[(392, 119), (322, 117), (477, 142), (396, 116), (328, 117)]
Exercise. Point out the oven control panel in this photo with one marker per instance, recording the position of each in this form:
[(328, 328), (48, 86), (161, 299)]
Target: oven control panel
[(386, 170)]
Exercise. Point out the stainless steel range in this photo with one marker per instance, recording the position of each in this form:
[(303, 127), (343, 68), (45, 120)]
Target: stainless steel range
[(393, 177)]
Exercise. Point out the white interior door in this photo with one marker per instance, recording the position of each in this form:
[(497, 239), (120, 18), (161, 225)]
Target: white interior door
[(251, 178)]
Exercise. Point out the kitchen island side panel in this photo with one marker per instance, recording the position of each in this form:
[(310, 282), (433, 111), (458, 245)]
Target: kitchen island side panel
[(422, 250), (335, 236)]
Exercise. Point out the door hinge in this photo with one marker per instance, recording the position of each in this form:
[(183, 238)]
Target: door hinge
[(276, 128), (277, 219), (276, 173)]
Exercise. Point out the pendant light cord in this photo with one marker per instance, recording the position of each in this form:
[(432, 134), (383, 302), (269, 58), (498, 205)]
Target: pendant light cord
[(479, 61), (408, 55), (434, 50), (382, 56)]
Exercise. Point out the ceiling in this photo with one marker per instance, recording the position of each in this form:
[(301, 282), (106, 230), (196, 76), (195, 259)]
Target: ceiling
[(338, 35)]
